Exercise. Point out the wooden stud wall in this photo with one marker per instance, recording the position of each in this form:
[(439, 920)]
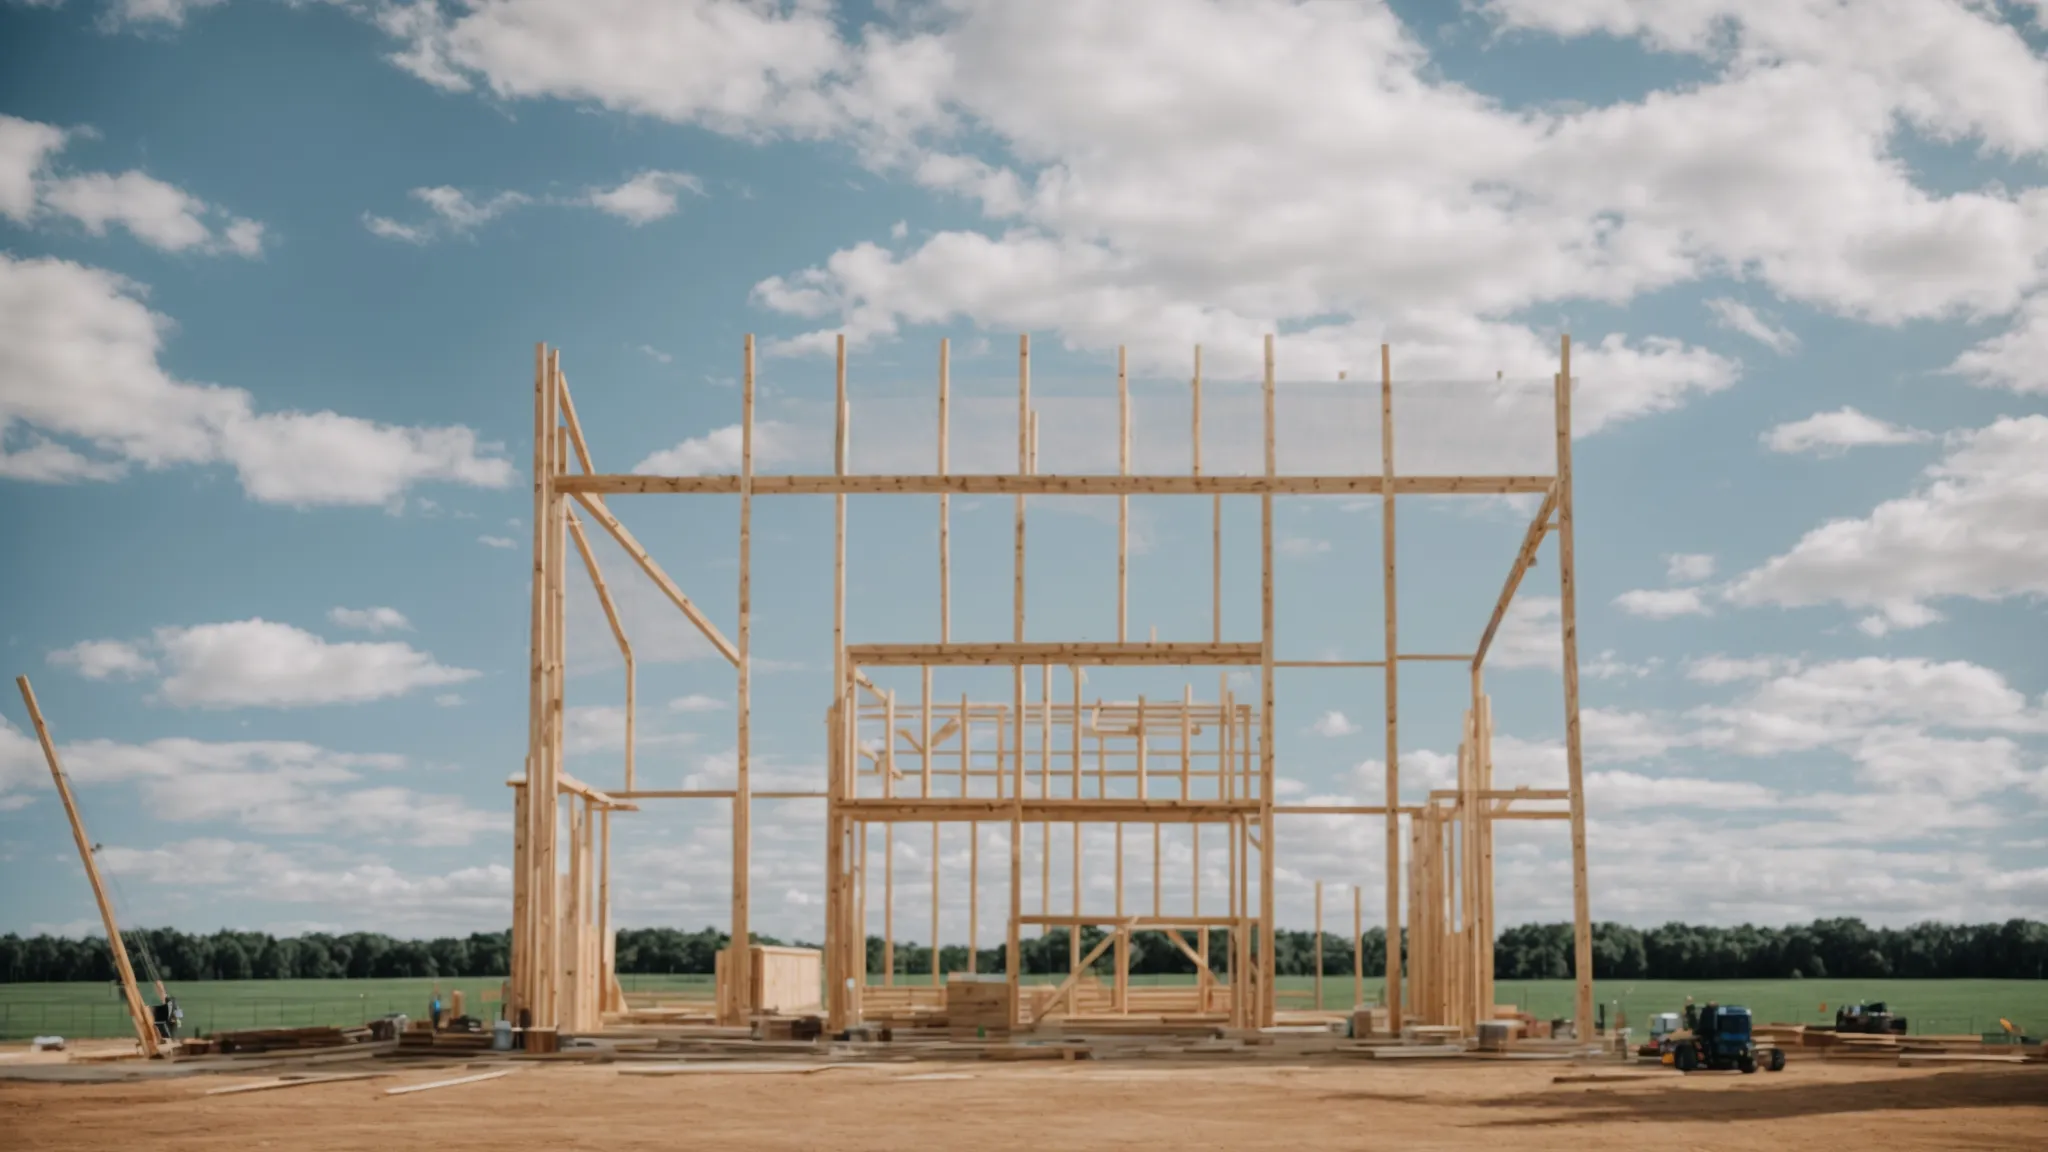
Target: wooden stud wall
[(1210, 765)]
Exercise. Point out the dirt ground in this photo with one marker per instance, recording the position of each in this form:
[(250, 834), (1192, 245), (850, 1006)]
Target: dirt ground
[(1101, 1105)]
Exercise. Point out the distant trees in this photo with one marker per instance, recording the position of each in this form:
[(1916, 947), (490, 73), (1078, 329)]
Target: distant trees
[(2015, 949)]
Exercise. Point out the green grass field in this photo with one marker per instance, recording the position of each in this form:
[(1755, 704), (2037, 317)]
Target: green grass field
[(1945, 1006)]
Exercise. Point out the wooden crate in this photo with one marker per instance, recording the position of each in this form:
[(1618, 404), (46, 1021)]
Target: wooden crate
[(979, 1007), (787, 981)]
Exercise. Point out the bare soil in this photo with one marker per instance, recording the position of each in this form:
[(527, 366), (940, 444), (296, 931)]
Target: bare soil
[(1120, 1105)]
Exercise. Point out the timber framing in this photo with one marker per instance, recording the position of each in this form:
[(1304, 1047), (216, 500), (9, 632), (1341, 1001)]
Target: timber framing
[(1049, 766)]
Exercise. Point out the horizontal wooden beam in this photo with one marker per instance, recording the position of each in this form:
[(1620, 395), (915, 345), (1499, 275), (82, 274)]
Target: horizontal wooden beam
[(1505, 794), (1095, 655), (1136, 923), (1009, 484), (616, 801), (1044, 809), (1341, 809), (677, 794)]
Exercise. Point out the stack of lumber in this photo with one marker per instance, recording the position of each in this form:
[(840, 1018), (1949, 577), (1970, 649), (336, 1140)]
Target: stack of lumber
[(788, 1028), (425, 1040), (288, 1039), (978, 1008)]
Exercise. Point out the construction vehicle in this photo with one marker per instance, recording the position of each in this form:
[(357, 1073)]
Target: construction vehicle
[(1872, 1019), (1662, 1025), (1718, 1037)]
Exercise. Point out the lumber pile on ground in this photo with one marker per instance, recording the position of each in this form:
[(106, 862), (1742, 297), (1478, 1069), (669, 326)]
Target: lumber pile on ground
[(979, 1008), (426, 1040), (288, 1039)]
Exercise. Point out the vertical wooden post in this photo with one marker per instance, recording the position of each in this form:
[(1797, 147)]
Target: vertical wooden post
[(838, 971), (1074, 930), (1393, 684), (1319, 945), (1013, 953), (1582, 927), (522, 897), (740, 964), (1269, 1001), (527, 983), (1357, 945), (138, 1013)]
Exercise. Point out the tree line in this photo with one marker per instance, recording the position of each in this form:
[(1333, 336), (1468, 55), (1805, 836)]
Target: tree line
[(1842, 948)]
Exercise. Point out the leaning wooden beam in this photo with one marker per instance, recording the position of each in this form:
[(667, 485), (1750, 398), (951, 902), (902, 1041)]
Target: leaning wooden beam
[(1020, 654), (1048, 484), (138, 1013), (626, 540), (1525, 557)]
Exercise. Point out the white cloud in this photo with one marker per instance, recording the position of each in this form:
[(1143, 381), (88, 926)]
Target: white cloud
[(1662, 603), (100, 659), (497, 542), (276, 787), (718, 451), (2016, 358), (170, 13), (1730, 670), (656, 354), (1829, 433), (369, 619), (1739, 317), (449, 700), (86, 367), (1334, 724), (1978, 527), (159, 214), (1531, 635), (454, 214), (260, 663), (1688, 567), (731, 65), (646, 197), (22, 767), (1302, 546), (695, 703), (1844, 702)]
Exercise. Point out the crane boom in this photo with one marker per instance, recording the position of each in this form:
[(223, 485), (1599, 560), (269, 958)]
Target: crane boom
[(145, 1028)]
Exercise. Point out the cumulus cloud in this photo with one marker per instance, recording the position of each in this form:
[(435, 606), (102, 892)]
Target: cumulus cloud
[(1976, 527), (1688, 567), (1662, 603), (102, 659), (1333, 724), (87, 369), (371, 620), (1736, 316), (276, 787), (154, 212), (646, 197), (261, 663), (454, 213), (718, 451), (1830, 433)]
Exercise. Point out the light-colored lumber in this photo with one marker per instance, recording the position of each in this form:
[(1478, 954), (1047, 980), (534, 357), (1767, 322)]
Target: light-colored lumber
[(669, 588), (1393, 690), (1053, 484), (293, 1082), (1082, 653), (478, 1078), (1568, 612), (138, 1012)]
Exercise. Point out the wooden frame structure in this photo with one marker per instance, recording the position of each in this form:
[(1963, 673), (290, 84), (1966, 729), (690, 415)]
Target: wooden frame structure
[(1043, 770)]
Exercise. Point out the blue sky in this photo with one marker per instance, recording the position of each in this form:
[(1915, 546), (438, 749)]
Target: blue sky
[(271, 275)]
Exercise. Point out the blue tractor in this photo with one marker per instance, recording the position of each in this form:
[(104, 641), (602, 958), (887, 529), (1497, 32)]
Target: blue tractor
[(1718, 1038)]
